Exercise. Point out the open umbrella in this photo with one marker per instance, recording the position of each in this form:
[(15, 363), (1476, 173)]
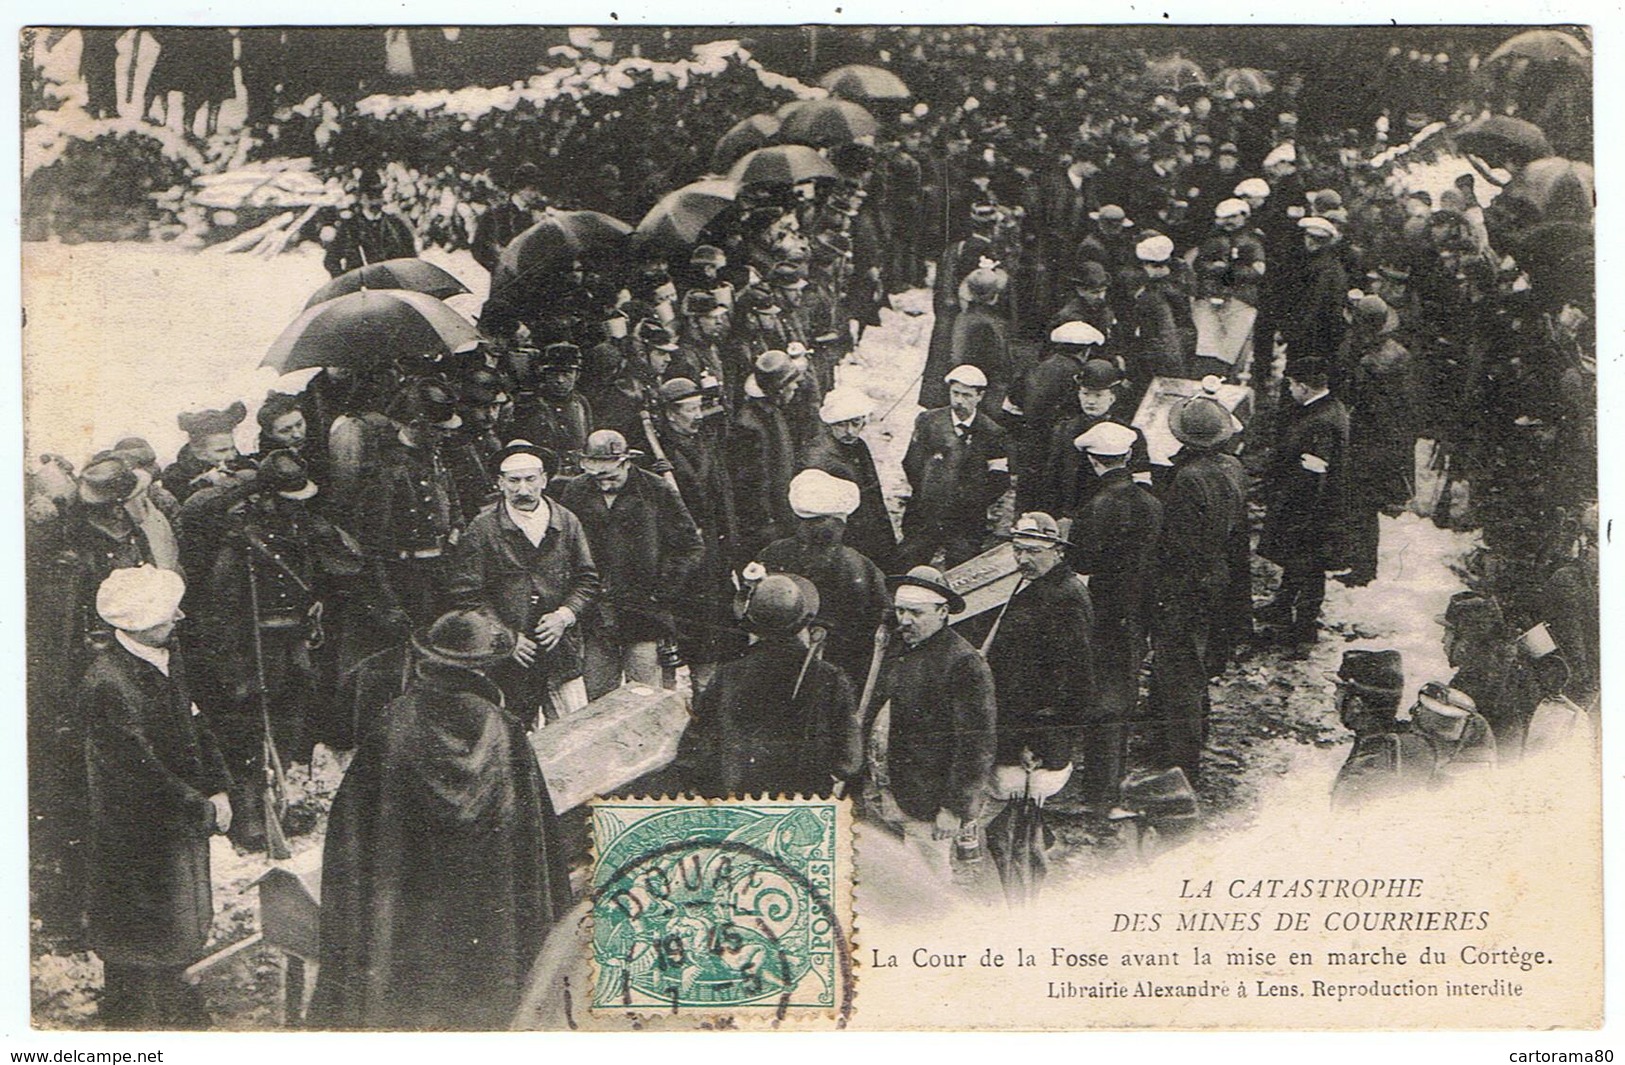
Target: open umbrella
[(554, 242), (783, 164), (413, 275), (1244, 81), (363, 327), (1561, 189), (859, 82), (757, 131), (1174, 74), (1544, 46), (1502, 139), (824, 123), (679, 217)]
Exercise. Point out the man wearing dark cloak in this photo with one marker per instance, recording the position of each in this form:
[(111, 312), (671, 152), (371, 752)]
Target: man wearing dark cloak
[(443, 870)]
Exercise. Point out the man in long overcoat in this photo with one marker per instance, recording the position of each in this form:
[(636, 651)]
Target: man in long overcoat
[(779, 721), (442, 871), (1068, 481), (527, 561), (937, 692), (762, 451), (1305, 492), (1115, 543), (1043, 664), (841, 451), (157, 792), (1203, 508)]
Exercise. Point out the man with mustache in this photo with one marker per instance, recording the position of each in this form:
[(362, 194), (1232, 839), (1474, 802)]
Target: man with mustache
[(647, 548), (528, 562)]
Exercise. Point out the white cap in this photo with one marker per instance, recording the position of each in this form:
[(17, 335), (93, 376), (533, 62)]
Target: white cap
[(1320, 227), (816, 494), (1076, 333), (139, 597), (1226, 208), (1155, 249), (1107, 439), (1282, 153), (1253, 186), (844, 404), (967, 375), (522, 460)]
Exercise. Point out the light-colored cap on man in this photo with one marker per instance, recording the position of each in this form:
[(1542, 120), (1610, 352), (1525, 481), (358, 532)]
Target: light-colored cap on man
[(1231, 207), (1253, 187), (843, 405), (139, 597), (1106, 439), (1155, 249), (1081, 333), (966, 375), (816, 494), (1320, 227), (1281, 153)]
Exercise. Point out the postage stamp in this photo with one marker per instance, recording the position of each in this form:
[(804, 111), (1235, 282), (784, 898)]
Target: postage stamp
[(737, 907)]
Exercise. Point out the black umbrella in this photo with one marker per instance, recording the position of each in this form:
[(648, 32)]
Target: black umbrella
[(1503, 140), (757, 131), (362, 328), (859, 82), (413, 275), (783, 164), (551, 245), (825, 123)]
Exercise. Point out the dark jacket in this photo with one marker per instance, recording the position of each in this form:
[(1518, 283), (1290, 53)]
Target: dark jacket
[(408, 503), (1312, 321), (559, 425), (443, 870), (646, 547), (1116, 537), (359, 240), (868, 529), (153, 763), (981, 339), (1306, 511), (853, 599), (941, 741), (500, 223), (1068, 481), (1231, 266), (953, 480), (1384, 764), (748, 736), (1204, 511), (495, 566), (1384, 396), (762, 459), (1043, 666), (1153, 344)]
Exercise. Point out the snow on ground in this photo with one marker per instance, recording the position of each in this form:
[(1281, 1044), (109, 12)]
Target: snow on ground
[(119, 337)]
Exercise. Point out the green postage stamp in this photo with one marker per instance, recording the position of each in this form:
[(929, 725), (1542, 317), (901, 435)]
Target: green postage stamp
[(731, 907)]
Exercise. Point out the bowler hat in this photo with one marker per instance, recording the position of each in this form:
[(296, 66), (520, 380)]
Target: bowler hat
[(1377, 676), (1201, 422), (697, 302), (782, 603), (931, 579), (984, 285), (678, 389), (1098, 375), (757, 299), (774, 370), (468, 637)]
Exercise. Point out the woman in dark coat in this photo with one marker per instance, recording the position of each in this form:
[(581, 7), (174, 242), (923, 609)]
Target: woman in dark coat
[(442, 871)]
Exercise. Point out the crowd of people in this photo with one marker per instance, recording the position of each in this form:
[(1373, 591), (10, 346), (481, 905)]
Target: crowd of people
[(651, 459)]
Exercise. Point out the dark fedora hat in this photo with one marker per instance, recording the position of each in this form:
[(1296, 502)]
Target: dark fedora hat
[(931, 579), (466, 637), (1201, 422), (1376, 675)]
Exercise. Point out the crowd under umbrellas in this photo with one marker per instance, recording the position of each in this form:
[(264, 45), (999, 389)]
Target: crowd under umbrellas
[(645, 458)]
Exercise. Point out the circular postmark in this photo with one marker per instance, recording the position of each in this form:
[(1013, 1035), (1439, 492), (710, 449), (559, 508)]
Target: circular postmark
[(722, 908)]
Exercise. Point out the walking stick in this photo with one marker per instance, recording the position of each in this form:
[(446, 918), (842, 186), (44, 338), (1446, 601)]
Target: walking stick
[(815, 643), (987, 642), (667, 649), (275, 783)]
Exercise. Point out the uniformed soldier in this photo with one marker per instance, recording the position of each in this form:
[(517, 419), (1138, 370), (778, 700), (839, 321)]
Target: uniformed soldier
[(1388, 757), (554, 414)]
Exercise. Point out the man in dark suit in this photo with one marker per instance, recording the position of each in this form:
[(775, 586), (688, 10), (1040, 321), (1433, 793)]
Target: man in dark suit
[(368, 232), (1115, 543), (504, 221), (1305, 491), (1205, 506), (957, 466), (157, 792)]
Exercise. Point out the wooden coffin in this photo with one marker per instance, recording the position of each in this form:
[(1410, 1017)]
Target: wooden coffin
[(616, 739)]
